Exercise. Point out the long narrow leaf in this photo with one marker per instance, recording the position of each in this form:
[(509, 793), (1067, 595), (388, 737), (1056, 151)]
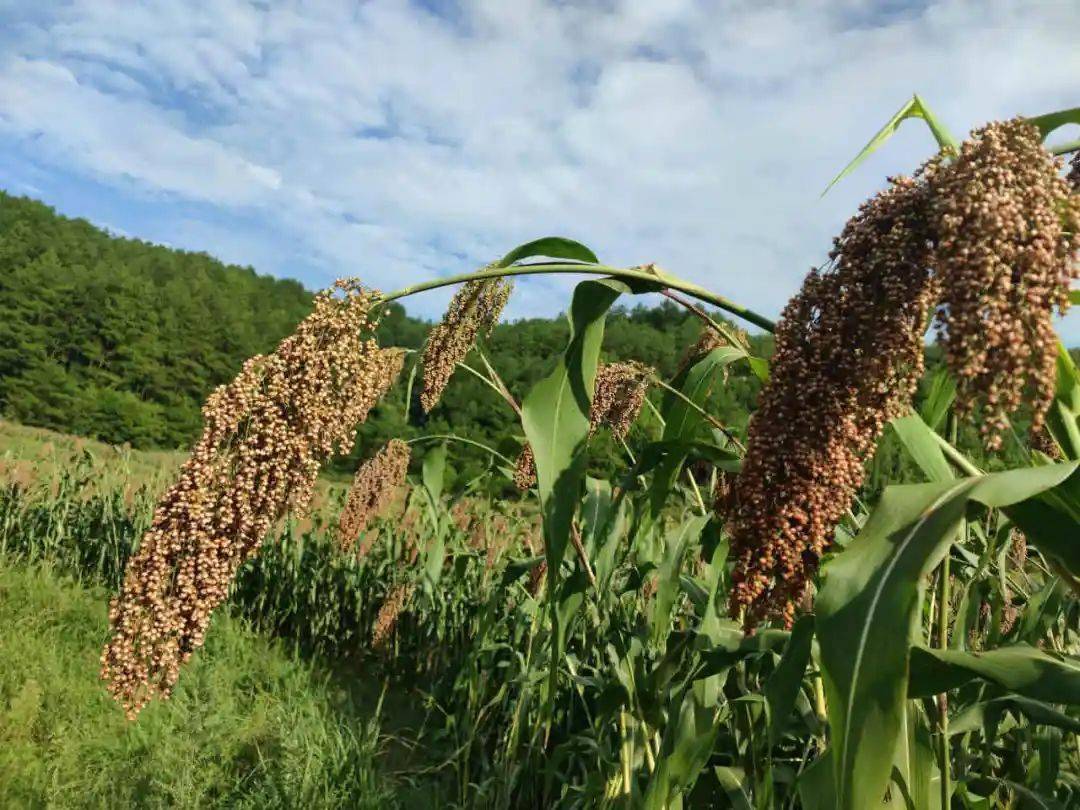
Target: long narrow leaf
[(867, 616)]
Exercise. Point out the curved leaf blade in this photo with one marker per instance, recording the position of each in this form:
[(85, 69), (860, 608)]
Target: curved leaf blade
[(867, 620), (1019, 668), (555, 247)]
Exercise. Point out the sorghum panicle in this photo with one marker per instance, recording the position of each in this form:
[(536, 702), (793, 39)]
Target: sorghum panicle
[(849, 353), (707, 340), (387, 618), (525, 469), (372, 490), (618, 396), (992, 238), (475, 308), (1005, 225), (265, 435)]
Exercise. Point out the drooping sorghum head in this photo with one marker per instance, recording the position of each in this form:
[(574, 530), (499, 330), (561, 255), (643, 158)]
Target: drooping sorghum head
[(618, 396), (387, 618), (1005, 225), (372, 490), (991, 238), (848, 355), (264, 437), (475, 308)]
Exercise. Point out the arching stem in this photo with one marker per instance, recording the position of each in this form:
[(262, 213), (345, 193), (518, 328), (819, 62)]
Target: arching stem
[(581, 268)]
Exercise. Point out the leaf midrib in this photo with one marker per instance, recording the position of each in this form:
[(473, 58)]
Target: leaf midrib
[(842, 787)]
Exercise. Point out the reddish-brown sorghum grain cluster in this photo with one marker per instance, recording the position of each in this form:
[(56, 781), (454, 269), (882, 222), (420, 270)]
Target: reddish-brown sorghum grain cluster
[(618, 396), (990, 237), (264, 437), (372, 490), (475, 308), (848, 357), (525, 468)]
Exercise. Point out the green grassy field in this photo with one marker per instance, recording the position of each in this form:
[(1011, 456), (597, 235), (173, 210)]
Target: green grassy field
[(250, 726)]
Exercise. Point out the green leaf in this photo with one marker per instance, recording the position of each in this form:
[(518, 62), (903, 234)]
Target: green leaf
[(555, 247), (1050, 121), (867, 615), (986, 714), (555, 416), (682, 421), (433, 472), (939, 398), (667, 584), (1028, 799), (688, 742), (1041, 611), (1050, 523), (915, 769), (1018, 668), (1063, 418), (914, 108), (922, 445), (815, 785), (733, 783), (783, 685)]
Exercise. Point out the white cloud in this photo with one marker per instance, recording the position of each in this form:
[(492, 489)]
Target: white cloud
[(386, 140)]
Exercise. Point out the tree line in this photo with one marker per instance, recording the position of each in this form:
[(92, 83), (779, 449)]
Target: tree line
[(121, 340)]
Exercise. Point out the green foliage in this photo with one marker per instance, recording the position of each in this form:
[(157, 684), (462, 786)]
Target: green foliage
[(120, 339), (250, 726)]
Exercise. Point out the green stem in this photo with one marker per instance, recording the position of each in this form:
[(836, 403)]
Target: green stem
[(715, 325), (943, 643), (956, 457), (452, 438), (708, 417), (503, 394), (943, 700), (553, 268)]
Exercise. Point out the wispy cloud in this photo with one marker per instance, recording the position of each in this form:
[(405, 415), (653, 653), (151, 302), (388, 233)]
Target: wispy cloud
[(398, 140)]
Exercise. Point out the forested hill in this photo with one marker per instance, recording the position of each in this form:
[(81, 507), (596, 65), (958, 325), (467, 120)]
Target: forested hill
[(121, 340)]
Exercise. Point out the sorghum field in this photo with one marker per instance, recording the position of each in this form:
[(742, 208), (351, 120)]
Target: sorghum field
[(865, 595)]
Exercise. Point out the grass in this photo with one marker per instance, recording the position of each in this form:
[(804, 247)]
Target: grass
[(249, 726), (28, 454)]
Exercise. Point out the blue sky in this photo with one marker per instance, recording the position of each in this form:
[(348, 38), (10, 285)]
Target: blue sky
[(400, 140)]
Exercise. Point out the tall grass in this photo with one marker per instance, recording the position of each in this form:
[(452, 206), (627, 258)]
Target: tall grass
[(253, 726)]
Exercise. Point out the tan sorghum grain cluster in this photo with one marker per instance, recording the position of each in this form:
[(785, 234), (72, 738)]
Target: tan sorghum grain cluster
[(388, 615), (265, 435), (1004, 221), (372, 490), (849, 353), (475, 308), (525, 468), (618, 396)]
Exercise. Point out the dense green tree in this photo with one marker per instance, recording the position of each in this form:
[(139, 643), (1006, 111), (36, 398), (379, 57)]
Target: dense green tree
[(122, 340)]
